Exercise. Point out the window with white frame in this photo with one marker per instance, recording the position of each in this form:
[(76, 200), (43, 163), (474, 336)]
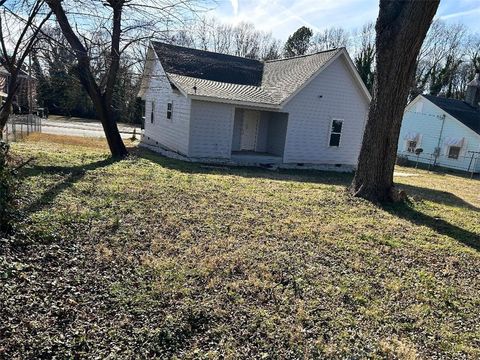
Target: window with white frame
[(454, 152), (336, 132), (169, 110), (411, 146), (152, 112)]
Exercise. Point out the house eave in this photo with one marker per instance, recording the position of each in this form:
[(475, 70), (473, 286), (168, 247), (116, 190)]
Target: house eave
[(236, 102)]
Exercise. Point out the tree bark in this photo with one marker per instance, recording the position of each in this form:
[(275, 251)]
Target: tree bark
[(6, 108), (101, 100), (401, 28)]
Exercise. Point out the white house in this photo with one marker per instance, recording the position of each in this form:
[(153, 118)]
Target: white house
[(447, 130), (303, 111)]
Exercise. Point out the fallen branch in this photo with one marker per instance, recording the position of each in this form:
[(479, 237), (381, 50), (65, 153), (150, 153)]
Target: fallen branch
[(25, 163)]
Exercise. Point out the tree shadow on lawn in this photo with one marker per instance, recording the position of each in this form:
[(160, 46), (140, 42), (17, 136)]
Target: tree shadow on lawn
[(437, 196), (72, 174), (437, 224), (402, 210), (302, 175), (306, 175)]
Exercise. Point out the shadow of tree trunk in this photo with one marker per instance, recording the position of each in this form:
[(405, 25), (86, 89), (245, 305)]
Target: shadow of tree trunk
[(73, 175), (437, 224)]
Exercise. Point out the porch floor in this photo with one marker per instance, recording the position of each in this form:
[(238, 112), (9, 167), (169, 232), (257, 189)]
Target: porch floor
[(253, 157)]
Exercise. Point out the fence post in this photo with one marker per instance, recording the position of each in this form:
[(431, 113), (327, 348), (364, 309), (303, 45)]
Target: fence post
[(474, 166)]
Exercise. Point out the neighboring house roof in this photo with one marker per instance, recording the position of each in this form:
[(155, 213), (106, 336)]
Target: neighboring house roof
[(232, 78), (21, 72), (460, 110)]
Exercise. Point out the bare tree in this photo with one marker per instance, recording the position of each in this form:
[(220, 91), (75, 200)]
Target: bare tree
[(330, 38), (439, 58), (240, 40), (270, 49), (364, 58), (20, 24), (472, 51), (401, 28), (99, 33)]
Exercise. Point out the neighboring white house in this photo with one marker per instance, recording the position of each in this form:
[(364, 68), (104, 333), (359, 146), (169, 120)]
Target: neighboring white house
[(447, 130), (304, 111)]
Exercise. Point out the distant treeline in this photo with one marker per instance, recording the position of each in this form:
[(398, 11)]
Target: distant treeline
[(60, 91), (446, 63)]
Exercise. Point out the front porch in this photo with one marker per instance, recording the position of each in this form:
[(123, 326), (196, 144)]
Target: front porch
[(255, 158), (258, 137)]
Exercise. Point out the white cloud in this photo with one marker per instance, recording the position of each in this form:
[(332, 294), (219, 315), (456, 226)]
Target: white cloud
[(460, 13), (234, 6), (283, 17)]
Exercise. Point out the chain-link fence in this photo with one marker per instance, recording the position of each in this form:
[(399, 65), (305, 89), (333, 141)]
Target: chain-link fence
[(19, 126), (468, 162)]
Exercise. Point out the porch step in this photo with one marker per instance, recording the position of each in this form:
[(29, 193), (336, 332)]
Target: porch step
[(256, 159)]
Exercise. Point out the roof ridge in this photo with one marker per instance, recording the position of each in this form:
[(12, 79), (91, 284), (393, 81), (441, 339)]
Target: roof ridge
[(449, 99), (305, 55), (246, 58)]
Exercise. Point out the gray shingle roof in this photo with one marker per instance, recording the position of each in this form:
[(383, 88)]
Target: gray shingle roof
[(460, 110), (281, 78), (222, 90), (235, 78)]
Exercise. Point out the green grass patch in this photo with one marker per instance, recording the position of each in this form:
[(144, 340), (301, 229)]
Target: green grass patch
[(155, 258)]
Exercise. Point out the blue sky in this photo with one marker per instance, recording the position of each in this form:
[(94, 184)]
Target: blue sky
[(283, 17)]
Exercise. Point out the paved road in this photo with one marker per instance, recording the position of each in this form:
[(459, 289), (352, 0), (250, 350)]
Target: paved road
[(82, 127)]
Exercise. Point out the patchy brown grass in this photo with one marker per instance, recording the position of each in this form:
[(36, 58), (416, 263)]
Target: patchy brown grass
[(154, 258), (88, 142)]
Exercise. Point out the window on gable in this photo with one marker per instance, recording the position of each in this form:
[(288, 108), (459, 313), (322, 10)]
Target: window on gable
[(411, 146), (152, 112), (336, 132), (169, 110), (454, 152)]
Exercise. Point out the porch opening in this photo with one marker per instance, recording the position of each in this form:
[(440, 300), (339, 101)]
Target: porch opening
[(259, 135)]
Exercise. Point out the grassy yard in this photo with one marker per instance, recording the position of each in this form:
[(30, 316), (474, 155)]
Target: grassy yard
[(155, 258)]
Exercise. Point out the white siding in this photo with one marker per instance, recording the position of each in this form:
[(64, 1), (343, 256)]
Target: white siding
[(170, 133), (310, 118), (211, 129), (237, 129), (426, 120), (277, 130), (262, 132)]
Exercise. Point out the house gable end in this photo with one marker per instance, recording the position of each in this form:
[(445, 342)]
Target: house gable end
[(333, 94), (350, 67), (461, 124)]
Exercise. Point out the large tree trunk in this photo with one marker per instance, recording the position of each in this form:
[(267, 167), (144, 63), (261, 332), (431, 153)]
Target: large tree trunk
[(5, 114), (102, 107), (101, 101), (401, 28), (114, 140), (6, 108)]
